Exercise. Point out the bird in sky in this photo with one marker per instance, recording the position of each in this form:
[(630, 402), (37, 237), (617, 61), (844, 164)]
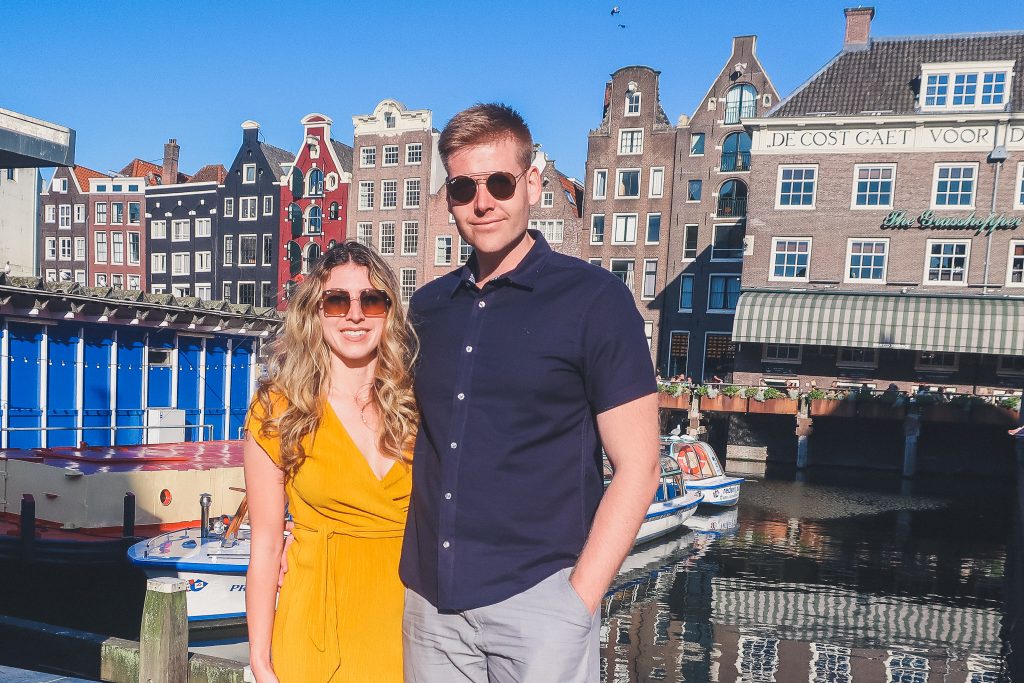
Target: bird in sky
[(622, 26), (615, 10)]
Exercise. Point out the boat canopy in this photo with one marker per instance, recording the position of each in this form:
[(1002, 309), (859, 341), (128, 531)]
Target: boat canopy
[(696, 459)]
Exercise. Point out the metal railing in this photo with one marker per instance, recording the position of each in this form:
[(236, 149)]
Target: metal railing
[(735, 161), (206, 433), (731, 207)]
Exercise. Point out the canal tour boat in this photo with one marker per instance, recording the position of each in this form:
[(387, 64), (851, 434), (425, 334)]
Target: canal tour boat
[(702, 470), (673, 503)]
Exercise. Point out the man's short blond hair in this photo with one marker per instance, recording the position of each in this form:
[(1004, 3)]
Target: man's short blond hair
[(484, 123)]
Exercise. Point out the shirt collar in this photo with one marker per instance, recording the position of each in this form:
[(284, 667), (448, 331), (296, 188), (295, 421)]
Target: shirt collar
[(524, 275)]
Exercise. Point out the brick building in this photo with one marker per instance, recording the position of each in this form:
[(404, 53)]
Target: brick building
[(630, 169), (884, 240), (709, 210), (316, 198), (63, 220)]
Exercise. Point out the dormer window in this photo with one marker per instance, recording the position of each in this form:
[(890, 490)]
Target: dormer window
[(965, 86), (389, 120), (632, 102), (315, 183)]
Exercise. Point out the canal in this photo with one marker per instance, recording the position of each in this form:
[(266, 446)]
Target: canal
[(839, 578)]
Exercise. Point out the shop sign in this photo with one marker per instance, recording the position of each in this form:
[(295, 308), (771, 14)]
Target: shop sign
[(928, 220)]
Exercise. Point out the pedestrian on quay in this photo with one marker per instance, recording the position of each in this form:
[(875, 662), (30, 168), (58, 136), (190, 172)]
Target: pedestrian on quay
[(530, 362), (330, 430)]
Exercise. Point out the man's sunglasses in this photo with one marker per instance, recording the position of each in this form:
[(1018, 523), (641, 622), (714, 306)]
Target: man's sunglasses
[(501, 185), (372, 302)]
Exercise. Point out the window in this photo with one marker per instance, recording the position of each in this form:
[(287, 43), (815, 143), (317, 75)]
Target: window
[(117, 281), (117, 247), (248, 173), (595, 261), (872, 186), (51, 215), (723, 293), (728, 243), (181, 263), (936, 361), (64, 214), (597, 228), (51, 248), (857, 358), (315, 220), (690, 233), (796, 187), (79, 213), (410, 238), (134, 213), (203, 261), (623, 269), (204, 291), (1015, 266), (229, 250), (390, 155), (334, 211), (547, 200), (936, 90), (443, 250), (732, 199), (387, 238), (650, 282), (204, 227), (268, 205), (624, 231), (80, 277), (656, 188), (247, 293), (134, 248), (790, 258), (180, 231), (1011, 365), (79, 248), (954, 185), (678, 348), (247, 250), (632, 104), (414, 153), (181, 290), (685, 293), (465, 250), (158, 263), (315, 183), (1019, 191), (134, 283), (267, 295), (229, 207), (365, 195), (696, 144), (653, 228), (735, 152), (101, 279), (601, 183), (780, 353), (226, 293), (63, 184), (310, 257), (412, 193), (740, 103), (101, 213), (993, 88), (12, 174), (693, 190), (388, 194), (628, 185), (247, 206), (956, 86), (867, 260), (158, 230), (947, 261), (364, 234), (553, 230), (631, 141), (117, 212), (408, 284), (367, 157), (268, 250)]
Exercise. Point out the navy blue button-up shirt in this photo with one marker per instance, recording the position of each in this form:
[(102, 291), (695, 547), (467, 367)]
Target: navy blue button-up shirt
[(507, 468)]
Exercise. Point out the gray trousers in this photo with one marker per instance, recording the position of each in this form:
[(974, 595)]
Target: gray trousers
[(542, 635)]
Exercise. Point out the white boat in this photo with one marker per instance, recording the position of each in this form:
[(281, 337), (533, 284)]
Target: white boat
[(702, 470), (715, 522), (673, 502)]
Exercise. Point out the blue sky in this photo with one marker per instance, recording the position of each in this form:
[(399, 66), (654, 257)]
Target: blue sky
[(131, 75)]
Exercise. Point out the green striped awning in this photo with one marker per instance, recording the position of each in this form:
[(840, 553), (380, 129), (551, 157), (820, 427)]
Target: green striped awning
[(964, 324)]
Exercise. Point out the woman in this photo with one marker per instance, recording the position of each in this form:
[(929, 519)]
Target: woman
[(330, 431)]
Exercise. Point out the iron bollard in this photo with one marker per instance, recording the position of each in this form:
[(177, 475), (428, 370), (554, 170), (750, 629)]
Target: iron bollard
[(28, 527), (128, 526)]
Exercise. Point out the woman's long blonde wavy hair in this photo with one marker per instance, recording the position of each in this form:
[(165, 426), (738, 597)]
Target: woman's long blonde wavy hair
[(298, 369)]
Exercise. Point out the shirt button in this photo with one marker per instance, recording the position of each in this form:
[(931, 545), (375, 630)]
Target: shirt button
[(454, 445), (482, 304), (461, 396), (469, 349), (448, 496), (446, 545)]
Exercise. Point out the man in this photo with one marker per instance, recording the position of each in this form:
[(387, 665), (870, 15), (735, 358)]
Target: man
[(527, 356)]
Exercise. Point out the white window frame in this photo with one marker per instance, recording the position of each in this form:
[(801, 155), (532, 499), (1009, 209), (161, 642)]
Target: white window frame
[(412, 185), (158, 230), (631, 96), (79, 213), (100, 279), (771, 263), (604, 228), (639, 177), (599, 173), (227, 288), (636, 224), (644, 296), (204, 261), (765, 358), (99, 214), (138, 219), (658, 171), (113, 214), (394, 237), (405, 235), (96, 246), (778, 188), (719, 311), (80, 249), (65, 246), (553, 229), (51, 249), (368, 152), (935, 186), (134, 283), (405, 290), (248, 206), (50, 214), (238, 292), (128, 247), (207, 223), (158, 262), (80, 277), (1018, 188), (204, 288), (439, 242), (647, 228), (409, 147), (246, 170), (1009, 264), (364, 233), (365, 199), (631, 285), (918, 367), (849, 256), (182, 237), (636, 149), (954, 69), (184, 257), (714, 233), (255, 250), (225, 252), (64, 217), (928, 255), (229, 207), (854, 206), (384, 155), (704, 138), (388, 194), (547, 200), (693, 281), (268, 205), (686, 227), (117, 280)]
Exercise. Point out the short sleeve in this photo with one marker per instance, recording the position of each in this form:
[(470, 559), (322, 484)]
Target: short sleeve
[(617, 365), (254, 422)]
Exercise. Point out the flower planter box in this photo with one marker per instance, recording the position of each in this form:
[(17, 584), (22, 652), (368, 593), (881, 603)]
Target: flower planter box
[(774, 406), (943, 413), (681, 402), (881, 411), (829, 407), (987, 413), (724, 404)]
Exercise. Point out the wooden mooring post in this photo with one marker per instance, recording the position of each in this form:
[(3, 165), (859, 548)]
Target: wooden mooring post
[(163, 639)]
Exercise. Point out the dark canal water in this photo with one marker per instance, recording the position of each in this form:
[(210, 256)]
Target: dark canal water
[(841, 578)]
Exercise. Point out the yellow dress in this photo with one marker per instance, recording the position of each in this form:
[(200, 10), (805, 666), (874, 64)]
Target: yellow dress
[(339, 611)]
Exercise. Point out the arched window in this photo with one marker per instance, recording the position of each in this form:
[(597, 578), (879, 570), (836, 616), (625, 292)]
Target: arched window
[(312, 255), (289, 289), (294, 259), (736, 152), (295, 217), (315, 222), (296, 183), (315, 183), (732, 199), (740, 103), (333, 212)]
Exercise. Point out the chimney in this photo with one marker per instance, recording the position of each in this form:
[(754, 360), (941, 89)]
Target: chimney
[(169, 175), (858, 27)]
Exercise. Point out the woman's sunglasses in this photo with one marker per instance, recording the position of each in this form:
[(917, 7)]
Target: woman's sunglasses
[(372, 302), (501, 185)]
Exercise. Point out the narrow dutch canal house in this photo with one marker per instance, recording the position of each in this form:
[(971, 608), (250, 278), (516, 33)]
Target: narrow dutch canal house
[(63, 221), (884, 238)]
